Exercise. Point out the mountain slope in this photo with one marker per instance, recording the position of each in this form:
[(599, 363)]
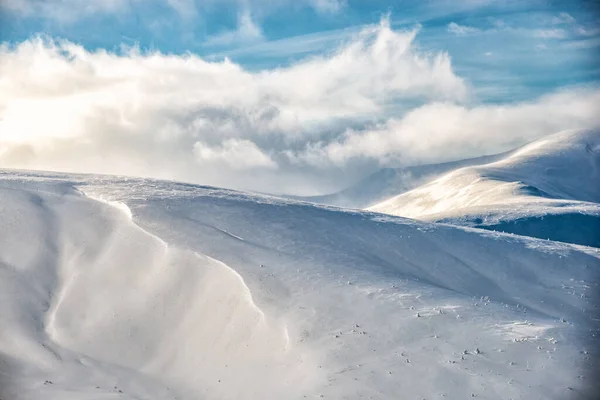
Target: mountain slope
[(556, 178), (147, 289), (389, 182)]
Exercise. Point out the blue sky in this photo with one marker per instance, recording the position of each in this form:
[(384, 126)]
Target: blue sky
[(302, 96)]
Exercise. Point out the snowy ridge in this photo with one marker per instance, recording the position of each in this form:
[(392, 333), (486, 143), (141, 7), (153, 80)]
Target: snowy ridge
[(116, 297), (201, 292), (558, 176), (388, 182)]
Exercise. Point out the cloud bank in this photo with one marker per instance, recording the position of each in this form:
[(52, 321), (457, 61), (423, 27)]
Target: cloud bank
[(461, 30), (247, 32), (446, 131), (307, 128)]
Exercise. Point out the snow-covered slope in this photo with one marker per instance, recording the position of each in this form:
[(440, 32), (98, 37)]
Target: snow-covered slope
[(549, 188), (388, 182), (144, 289)]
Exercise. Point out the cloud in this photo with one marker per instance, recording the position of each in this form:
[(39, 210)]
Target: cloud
[(442, 131), (65, 11), (461, 30), (583, 31), (68, 11), (543, 31), (376, 100), (328, 6), (247, 32), (549, 33), (587, 43), (563, 18), (185, 8), (238, 154), (292, 46)]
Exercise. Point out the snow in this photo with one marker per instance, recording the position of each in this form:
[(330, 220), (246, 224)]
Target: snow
[(115, 287), (129, 288), (547, 189), (388, 182)]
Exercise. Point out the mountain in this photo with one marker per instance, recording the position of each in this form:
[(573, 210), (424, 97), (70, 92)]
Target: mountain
[(548, 189), (388, 182), (122, 288)]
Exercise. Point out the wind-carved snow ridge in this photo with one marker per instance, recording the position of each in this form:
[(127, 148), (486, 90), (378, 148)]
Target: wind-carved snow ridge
[(121, 206), (246, 291), (126, 298), (116, 204)]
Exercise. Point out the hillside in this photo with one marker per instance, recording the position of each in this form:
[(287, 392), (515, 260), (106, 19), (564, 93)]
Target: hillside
[(388, 182), (548, 189), (143, 289)]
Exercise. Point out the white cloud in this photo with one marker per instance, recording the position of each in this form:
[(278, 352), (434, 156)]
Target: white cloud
[(292, 46), (461, 30), (549, 33), (587, 43), (498, 23), (65, 10), (583, 31), (285, 129), (328, 6), (563, 18), (247, 32), (446, 131), (185, 8), (237, 154), (546, 31)]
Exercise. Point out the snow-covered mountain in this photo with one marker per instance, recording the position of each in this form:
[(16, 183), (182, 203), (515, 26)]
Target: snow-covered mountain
[(548, 189), (388, 182), (127, 288)]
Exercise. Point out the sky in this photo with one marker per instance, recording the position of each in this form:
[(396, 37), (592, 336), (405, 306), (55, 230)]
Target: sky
[(299, 97)]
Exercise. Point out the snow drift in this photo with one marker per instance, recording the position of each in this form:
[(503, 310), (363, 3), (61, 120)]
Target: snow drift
[(142, 289)]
